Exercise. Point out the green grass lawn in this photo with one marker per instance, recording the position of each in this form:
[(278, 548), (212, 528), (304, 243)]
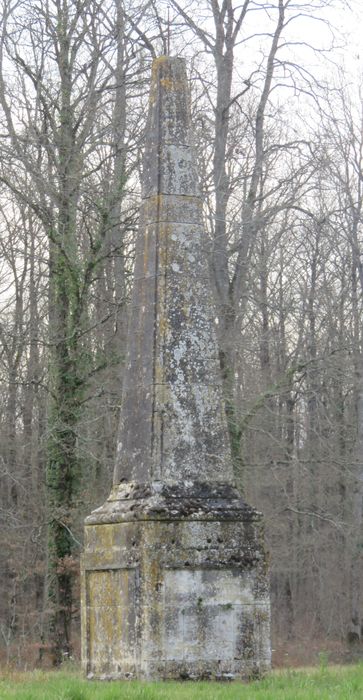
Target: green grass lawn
[(325, 683)]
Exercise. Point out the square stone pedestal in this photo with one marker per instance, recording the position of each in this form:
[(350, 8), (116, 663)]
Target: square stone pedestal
[(182, 596)]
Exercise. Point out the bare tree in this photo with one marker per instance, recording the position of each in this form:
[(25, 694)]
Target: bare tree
[(69, 65), (342, 122)]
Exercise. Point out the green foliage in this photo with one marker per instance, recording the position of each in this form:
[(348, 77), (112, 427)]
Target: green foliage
[(329, 683)]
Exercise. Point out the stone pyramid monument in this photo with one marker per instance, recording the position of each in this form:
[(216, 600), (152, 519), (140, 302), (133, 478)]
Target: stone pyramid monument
[(174, 572)]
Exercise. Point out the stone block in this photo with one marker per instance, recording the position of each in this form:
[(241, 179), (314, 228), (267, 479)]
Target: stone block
[(176, 599)]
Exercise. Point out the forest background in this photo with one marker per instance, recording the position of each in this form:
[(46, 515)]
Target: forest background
[(277, 112)]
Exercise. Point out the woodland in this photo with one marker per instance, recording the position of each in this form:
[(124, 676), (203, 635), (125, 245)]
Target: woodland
[(277, 120)]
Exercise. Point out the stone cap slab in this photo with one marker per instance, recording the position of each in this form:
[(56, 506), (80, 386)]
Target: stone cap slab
[(132, 501)]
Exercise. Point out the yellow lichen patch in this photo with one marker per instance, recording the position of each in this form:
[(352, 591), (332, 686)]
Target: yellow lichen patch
[(109, 634), (99, 537), (156, 200), (163, 325), (171, 84), (159, 373), (153, 207), (157, 63)]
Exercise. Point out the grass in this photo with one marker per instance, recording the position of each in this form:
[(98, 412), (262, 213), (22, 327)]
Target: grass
[(324, 683)]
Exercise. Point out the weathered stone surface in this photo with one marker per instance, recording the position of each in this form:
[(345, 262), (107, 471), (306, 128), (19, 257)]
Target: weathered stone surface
[(174, 574), (158, 501), (172, 424), (188, 600)]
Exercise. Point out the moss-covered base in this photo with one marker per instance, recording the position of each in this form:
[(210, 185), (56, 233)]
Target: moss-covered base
[(177, 597)]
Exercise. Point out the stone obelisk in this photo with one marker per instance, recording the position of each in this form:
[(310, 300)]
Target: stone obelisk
[(174, 574)]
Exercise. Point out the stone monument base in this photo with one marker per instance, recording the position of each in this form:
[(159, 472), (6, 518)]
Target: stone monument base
[(174, 585)]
